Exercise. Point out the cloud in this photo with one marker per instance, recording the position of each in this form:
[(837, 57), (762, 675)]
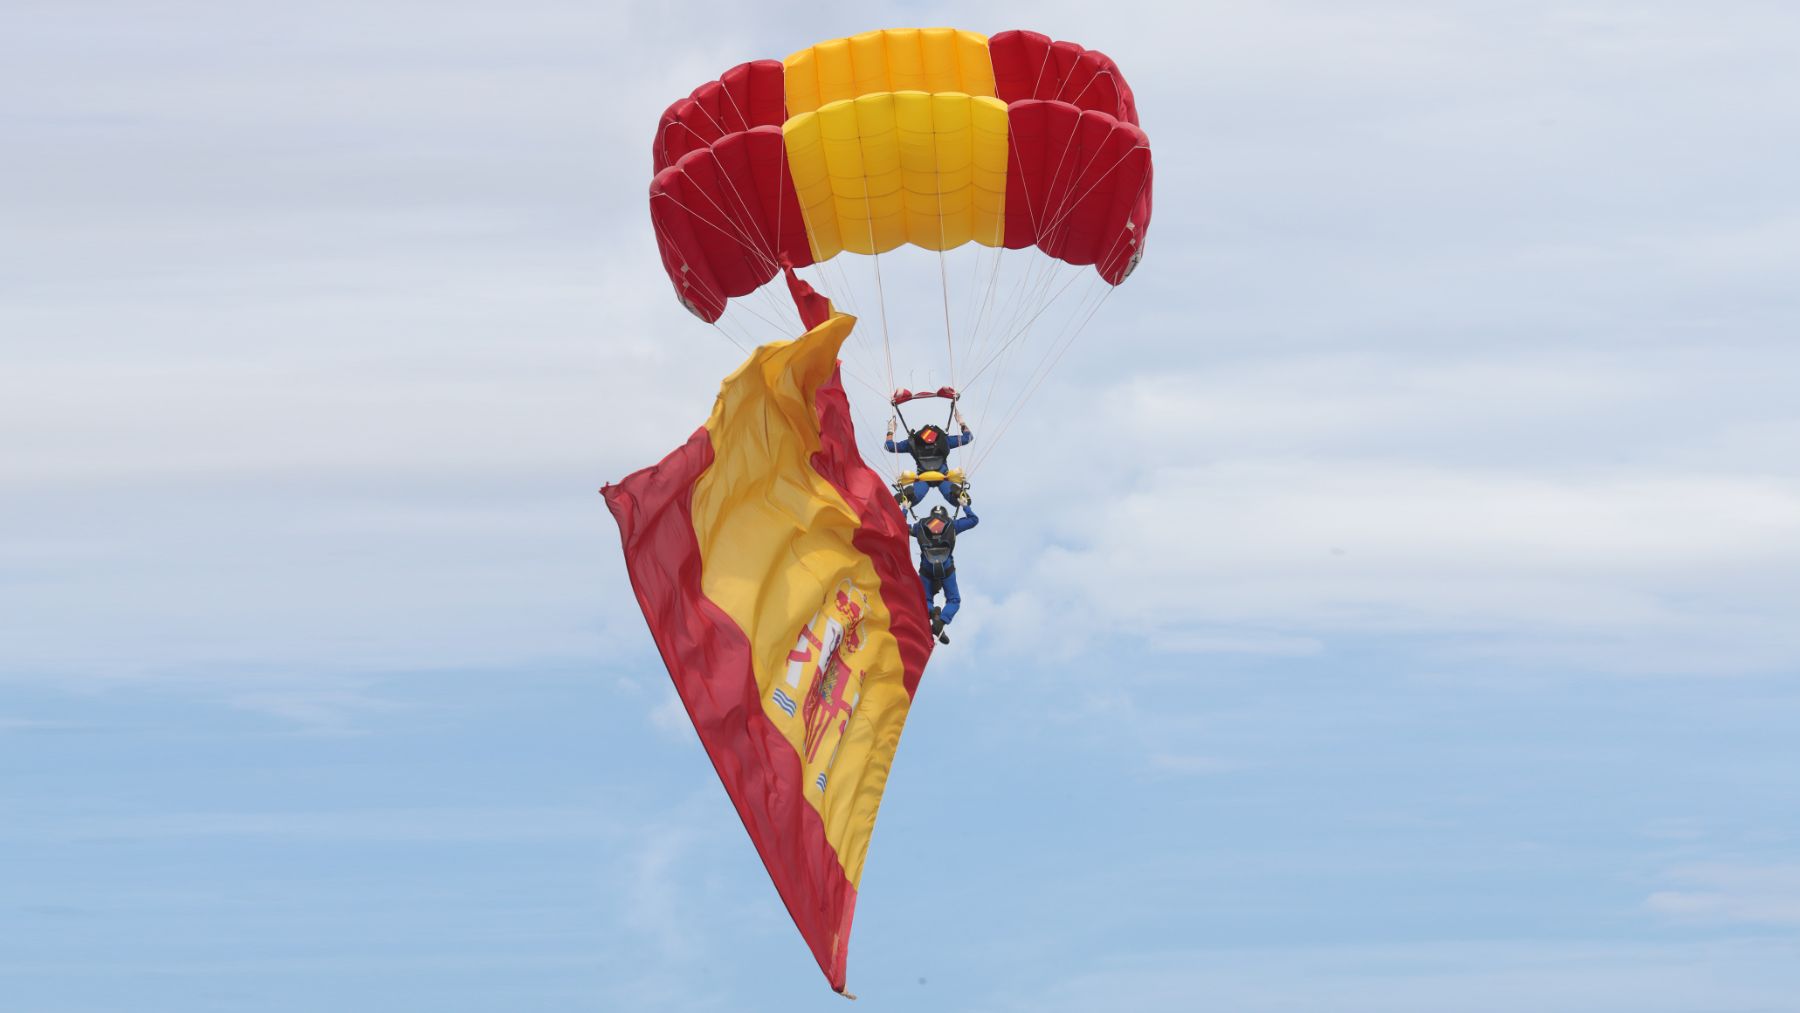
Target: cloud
[(317, 710), (322, 332), (670, 718), (1191, 765), (436, 825), (1279, 554), (1730, 894), (1421, 977)]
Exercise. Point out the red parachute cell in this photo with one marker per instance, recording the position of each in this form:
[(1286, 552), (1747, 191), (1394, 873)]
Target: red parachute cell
[(725, 216), (748, 95), (1077, 186), (1029, 65)]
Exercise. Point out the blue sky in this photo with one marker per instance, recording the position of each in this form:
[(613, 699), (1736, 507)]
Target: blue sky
[(1416, 631)]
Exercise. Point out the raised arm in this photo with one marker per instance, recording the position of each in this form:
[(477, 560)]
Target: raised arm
[(966, 437)]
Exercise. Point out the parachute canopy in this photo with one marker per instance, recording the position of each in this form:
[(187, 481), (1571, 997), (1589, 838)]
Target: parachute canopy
[(931, 137)]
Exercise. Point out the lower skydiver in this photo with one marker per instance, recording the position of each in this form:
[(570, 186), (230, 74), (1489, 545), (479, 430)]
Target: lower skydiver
[(936, 536)]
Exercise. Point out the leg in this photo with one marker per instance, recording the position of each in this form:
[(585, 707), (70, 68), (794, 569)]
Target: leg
[(949, 490), (919, 488), (930, 587), (952, 598)]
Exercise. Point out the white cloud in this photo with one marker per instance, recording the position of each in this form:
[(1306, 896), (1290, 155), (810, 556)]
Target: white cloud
[(1430, 976), (437, 825), (670, 718), (1464, 321), (1191, 765), (1304, 548), (1732, 894)]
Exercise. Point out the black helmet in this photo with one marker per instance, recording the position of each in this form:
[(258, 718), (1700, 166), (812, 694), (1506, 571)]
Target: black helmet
[(942, 513)]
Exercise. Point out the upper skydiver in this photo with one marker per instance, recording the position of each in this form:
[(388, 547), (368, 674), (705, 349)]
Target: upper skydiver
[(930, 448)]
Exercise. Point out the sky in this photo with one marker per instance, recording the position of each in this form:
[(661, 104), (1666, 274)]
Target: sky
[(1387, 604)]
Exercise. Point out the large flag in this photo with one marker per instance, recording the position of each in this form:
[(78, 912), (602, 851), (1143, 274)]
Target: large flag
[(776, 575)]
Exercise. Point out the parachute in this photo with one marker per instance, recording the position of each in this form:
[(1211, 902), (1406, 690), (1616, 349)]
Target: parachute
[(1007, 183), (942, 147)]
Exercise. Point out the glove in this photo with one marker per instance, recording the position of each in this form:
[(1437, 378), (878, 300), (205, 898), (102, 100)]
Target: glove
[(963, 498)]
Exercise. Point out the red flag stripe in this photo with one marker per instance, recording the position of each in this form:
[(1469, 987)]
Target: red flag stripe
[(758, 766)]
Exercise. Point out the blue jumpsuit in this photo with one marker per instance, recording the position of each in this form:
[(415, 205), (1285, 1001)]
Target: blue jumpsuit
[(946, 488), (942, 576)]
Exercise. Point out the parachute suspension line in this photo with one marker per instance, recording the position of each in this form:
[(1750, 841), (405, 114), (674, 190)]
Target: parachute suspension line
[(943, 273), (710, 118), (1045, 232), (887, 344), (1026, 328), (740, 237), (1008, 411), (944, 283), (1040, 375), (781, 169), (1110, 76), (1052, 363), (1018, 300), (1048, 234), (990, 398), (769, 250), (1013, 307), (980, 298), (1040, 74), (771, 253), (988, 320), (1070, 204), (777, 326), (865, 353), (859, 378), (844, 292), (723, 333), (664, 242), (743, 121), (995, 307), (1011, 350), (764, 251)]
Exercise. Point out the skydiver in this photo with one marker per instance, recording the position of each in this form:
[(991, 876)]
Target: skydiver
[(930, 448), (936, 535)]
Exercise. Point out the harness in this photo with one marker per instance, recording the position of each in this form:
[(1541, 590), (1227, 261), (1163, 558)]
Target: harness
[(932, 459), (937, 540), (930, 448)]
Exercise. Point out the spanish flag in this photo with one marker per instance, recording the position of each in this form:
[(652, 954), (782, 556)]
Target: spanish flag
[(776, 575)]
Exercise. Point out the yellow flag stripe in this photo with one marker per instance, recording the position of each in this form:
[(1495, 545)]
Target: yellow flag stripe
[(775, 545)]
